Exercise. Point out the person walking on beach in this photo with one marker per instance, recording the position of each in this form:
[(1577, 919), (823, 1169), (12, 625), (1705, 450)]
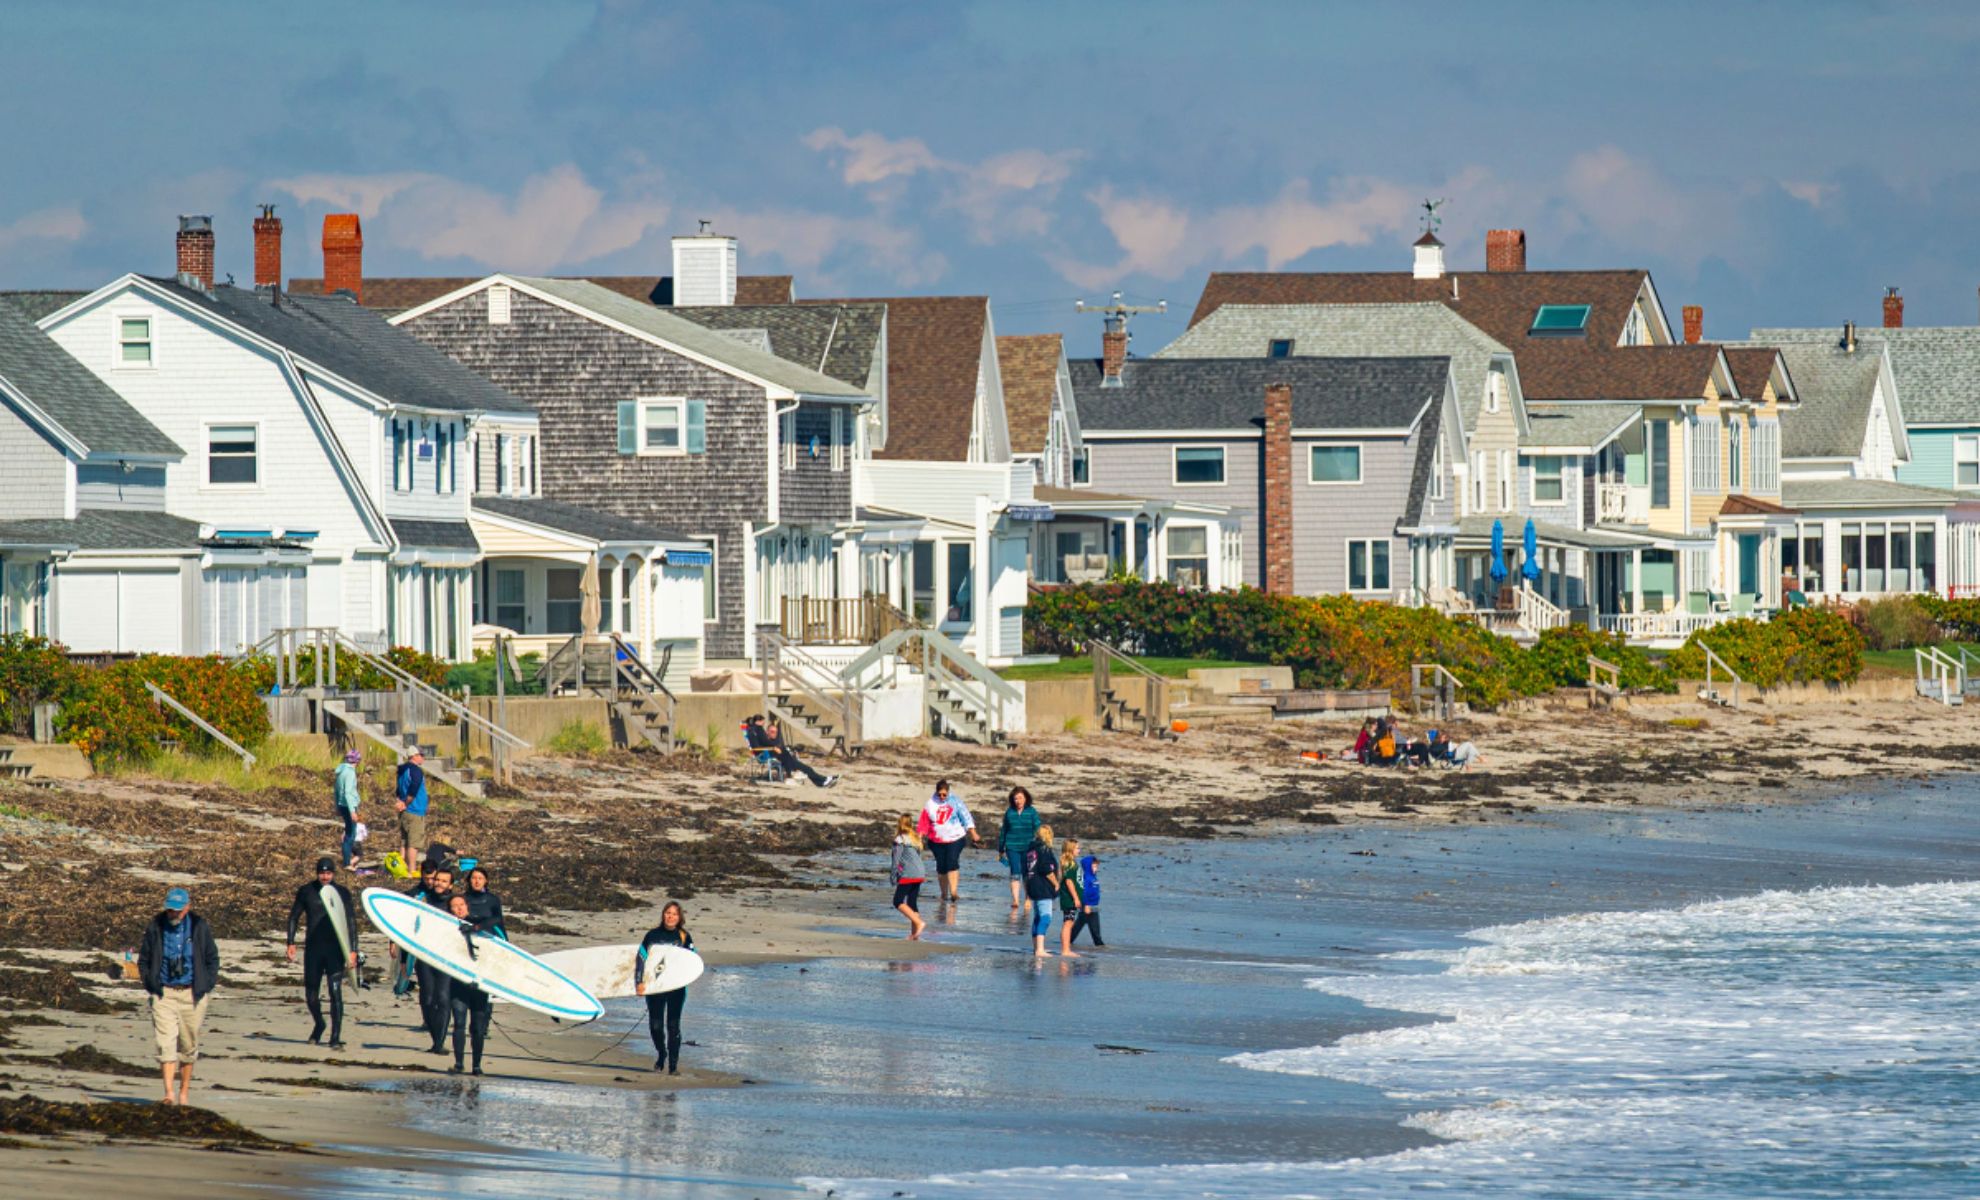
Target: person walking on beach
[(946, 825), (1068, 897), (468, 1007), (1089, 898), (409, 797), (1041, 883), (345, 789), (436, 986), (1015, 837), (484, 906), (178, 963), (323, 908), (909, 874), (663, 1009)]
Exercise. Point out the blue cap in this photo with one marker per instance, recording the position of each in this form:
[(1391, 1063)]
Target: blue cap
[(178, 898)]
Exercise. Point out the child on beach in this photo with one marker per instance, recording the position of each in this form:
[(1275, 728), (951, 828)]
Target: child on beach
[(1068, 898), (909, 874), (1041, 883), (1089, 899)]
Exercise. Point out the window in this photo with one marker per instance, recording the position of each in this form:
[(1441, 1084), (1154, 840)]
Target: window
[(660, 428), (1334, 464), (1966, 462), (1547, 487), (1495, 390), (1633, 328), (1478, 481), (787, 436), (1437, 470), (443, 459), (502, 464), (1560, 320), (1704, 455), (1082, 467), (710, 609), (1658, 434), (654, 426), (1766, 456), (626, 599), (1735, 447), (509, 609), (1189, 556), (838, 439), (1368, 564), (563, 608), (134, 341), (1199, 465), (526, 465), (401, 457), (1279, 348), (1505, 481), (962, 596), (230, 456)]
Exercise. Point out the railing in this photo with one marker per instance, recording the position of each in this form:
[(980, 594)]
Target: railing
[(1155, 717), (1536, 612), (788, 671), (1660, 626), (1621, 504), (1440, 691), (158, 694), (1714, 663), (1939, 676), (853, 621), (1598, 668), (324, 642), (989, 693)]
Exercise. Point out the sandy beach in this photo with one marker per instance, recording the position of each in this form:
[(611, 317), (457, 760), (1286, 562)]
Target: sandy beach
[(585, 850)]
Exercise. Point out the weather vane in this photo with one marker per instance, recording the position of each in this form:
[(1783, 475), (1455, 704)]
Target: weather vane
[(1431, 221)]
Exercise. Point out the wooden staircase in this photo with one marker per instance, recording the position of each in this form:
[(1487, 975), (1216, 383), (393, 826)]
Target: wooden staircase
[(1112, 710), (360, 714), (607, 666), (12, 769), (960, 697), (799, 691)]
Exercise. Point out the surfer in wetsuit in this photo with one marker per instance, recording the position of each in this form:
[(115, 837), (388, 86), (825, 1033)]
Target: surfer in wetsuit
[(468, 1005), (323, 910), (484, 906), (663, 1009), (435, 986)]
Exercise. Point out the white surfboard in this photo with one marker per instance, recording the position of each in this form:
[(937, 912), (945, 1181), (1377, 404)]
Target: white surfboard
[(607, 971), (496, 967), (340, 921)]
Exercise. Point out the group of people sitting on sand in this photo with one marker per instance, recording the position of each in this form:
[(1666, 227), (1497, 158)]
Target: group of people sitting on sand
[(1382, 743)]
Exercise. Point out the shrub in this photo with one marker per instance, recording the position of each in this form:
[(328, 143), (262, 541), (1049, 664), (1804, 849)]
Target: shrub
[(578, 738), (1959, 618), (1896, 623), (32, 671), (1561, 655), (1799, 645), (113, 718), (479, 675)]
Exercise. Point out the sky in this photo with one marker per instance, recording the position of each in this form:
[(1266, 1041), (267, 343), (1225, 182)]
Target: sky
[(1777, 163)]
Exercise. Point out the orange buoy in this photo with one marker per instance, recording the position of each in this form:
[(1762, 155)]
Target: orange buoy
[(1179, 727)]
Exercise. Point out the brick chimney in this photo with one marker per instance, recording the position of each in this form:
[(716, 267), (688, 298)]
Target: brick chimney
[(343, 255), (1113, 351), (1505, 250), (1893, 309), (268, 248), (1694, 324), (196, 252), (1277, 537)]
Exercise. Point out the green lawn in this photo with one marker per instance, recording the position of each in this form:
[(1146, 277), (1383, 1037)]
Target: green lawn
[(1069, 668), (1884, 662)]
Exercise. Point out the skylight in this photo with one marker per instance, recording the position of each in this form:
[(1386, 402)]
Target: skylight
[(1280, 348), (1560, 320)]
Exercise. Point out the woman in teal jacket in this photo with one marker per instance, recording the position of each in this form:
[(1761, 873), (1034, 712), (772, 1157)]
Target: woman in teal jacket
[(1020, 828)]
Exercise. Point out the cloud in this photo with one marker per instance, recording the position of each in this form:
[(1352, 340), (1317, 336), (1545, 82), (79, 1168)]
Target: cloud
[(819, 245), (1810, 192), (870, 158), (62, 225), (1004, 195)]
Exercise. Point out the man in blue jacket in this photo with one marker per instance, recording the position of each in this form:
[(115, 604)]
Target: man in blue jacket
[(178, 962), (409, 797)]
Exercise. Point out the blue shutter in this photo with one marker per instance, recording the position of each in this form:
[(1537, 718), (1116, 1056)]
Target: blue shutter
[(628, 427), (697, 427)]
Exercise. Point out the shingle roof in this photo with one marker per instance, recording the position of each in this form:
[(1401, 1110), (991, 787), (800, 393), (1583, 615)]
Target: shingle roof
[(1836, 388), (105, 529), (37, 372), (1229, 393), (691, 336), (1751, 506), (1805, 494), (839, 339), (356, 344), (1577, 426), (35, 305), (397, 294), (934, 349), (575, 520), (1029, 365), (435, 535), (1937, 368), (1376, 330), (1751, 368)]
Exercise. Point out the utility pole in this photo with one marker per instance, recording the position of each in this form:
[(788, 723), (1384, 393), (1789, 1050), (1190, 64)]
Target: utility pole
[(1114, 334)]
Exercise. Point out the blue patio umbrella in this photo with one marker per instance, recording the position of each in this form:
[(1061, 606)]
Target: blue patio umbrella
[(1530, 550), (1498, 551)]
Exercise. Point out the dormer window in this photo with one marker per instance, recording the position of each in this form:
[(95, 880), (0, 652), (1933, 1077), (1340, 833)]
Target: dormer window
[(1560, 320), (1279, 348)]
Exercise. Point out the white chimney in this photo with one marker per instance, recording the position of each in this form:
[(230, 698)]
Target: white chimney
[(1429, 257), (704, 269)]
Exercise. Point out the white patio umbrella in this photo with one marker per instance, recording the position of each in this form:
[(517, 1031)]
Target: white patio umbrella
[(589, 610)]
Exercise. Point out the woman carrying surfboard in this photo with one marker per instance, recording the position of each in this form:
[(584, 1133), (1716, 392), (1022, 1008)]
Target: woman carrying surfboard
[(663, 1008), (323, 909)]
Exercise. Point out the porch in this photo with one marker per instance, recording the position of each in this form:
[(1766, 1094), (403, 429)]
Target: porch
[(1092, 535)]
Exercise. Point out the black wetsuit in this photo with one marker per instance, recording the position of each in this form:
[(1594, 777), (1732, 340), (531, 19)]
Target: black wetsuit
[(435, 988), (469, 1006), (323, 955), (485, 913), (663, 1009)]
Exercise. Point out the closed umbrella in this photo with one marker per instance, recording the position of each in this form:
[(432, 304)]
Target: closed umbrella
[(1530, 547), (1498, 551), (589, 609)]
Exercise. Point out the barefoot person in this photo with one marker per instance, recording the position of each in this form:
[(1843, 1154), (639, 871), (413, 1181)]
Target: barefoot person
[(946, 826), (469, 1008), (663, 1009), (1068, 896), (328, 950), (178, 962), (1014, 838), (1041, 883), (909, 874)]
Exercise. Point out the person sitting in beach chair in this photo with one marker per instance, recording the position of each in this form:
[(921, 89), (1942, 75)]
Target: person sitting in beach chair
[(1383, 752), (773, 769)]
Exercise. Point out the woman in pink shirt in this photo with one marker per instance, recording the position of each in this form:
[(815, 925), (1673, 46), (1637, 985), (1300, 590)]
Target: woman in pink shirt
[(945, 824)]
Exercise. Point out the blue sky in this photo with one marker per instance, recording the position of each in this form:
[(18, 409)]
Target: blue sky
[(1779, 163)]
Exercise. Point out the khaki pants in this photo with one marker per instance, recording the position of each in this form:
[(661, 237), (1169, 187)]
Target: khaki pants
[(412, 831), (176, 1019)]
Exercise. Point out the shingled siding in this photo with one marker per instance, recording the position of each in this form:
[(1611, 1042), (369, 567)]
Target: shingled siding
[(36, 478), (1325, 516), (812, 491), (1146, 467), (574, 372)]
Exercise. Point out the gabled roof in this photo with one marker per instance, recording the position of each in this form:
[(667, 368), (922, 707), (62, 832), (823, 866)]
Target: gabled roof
[(35, 305), (1667, 372), (1836, 389), (576, 520), (934, 350), (353, 343), (1752, 367), (1751, 506), (695, 339), (1375, 330), (840, 340), (1936, 368), (1029, 364), (398, 294), (75, 407), (104, 529), (1189, 394), (1577, 428)]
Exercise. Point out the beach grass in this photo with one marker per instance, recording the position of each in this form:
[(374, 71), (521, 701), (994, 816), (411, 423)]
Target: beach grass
[(1900, 662), (1073, 668), (224, 769)]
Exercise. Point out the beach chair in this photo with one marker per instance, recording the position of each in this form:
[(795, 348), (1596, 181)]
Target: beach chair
[(1698, 603), (773, 769), (1742, 604)]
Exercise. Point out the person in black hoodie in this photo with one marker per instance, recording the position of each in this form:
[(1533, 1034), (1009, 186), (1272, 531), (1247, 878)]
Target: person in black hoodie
[(178, 963), (663, 1009), (327, 951)]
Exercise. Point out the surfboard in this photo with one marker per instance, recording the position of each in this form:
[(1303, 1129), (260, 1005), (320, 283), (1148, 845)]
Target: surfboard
[(497, 967), (607, 971), (340, 921)]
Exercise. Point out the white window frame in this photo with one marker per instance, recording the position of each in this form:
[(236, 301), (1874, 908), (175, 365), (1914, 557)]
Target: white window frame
[(1347, 565), (118, 341), (640, 407), (402, 463), (711, 587), (1964, 444), (1705, 475), (1478, 481), (1767, 457), (1084, 452), (1360, 464), (206, 483), (1505, 481), (1560, 461), (1495, 386), (786, 435), (1735, 449), (1223, 464), (838, 440), (1436, 469)]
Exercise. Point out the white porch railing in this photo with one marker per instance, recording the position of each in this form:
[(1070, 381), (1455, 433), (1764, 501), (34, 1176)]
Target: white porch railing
[(1621, 504), (1662, 626), (1536, 612)]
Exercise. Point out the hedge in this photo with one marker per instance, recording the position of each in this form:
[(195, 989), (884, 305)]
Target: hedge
[(112, 717), (1800, 645)]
